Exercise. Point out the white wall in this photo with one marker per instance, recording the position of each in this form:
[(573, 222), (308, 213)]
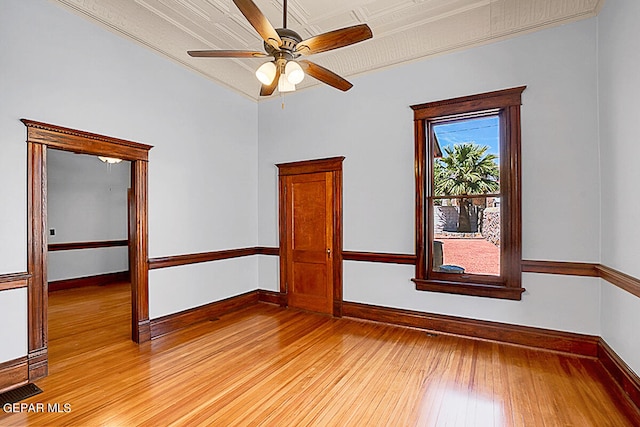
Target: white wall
[(58, 68), (372, 125), (86, 201), (619, 91), (212, 169), (13, 324)]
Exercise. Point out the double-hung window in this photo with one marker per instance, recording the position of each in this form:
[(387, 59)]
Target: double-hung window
[(468, 203)]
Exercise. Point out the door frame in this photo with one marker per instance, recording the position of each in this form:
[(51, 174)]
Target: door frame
[(41, 136), (333, 165)]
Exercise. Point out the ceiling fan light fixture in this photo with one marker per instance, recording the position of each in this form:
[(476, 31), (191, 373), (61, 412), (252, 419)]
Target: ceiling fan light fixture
[(284, 45), (110, 160), (266, 73), (293, 72), (284, 85)]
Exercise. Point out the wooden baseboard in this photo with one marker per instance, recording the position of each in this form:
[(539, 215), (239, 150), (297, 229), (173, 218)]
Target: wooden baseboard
[(144, 332), (172, 322), (14, 373), (97, 280), (566, 342), (38, 360), (272, 297), (628, 381)]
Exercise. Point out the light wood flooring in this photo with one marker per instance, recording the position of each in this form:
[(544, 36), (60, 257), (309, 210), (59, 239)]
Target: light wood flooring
[(265, 365)]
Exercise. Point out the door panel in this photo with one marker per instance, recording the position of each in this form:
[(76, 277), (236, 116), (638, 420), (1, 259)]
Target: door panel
[(309, 219)]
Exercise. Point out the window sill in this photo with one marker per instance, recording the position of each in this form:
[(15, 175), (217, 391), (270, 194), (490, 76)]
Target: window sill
[(472, 289)]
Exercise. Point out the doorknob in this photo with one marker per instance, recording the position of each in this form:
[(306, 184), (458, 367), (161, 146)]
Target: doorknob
[(328, 252)]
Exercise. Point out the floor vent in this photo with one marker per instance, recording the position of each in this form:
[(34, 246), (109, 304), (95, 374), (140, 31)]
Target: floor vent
[(18, 394)]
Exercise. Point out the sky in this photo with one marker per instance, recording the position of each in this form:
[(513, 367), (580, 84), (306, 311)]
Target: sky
[(482, 131)]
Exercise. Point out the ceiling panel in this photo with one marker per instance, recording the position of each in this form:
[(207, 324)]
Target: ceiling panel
[(404, 30)]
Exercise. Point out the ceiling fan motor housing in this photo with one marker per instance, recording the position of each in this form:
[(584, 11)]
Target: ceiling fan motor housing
[(289, 41)]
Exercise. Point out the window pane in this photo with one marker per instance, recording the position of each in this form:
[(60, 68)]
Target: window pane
[(473, 252), (466, 228), (466, 157)]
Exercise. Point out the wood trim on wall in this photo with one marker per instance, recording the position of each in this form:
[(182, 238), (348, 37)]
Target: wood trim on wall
[(560, 267), (37, 302), (379, 257), (584, 269), (14, 373), (628, 381), (96, 280), (83, 142), (310, 166), (41, 136), (469, 103), (138, 229), (177, 260), (53, 247), (267, 250), (617, 278), (620, 279), (172, 322), (14, 281), (584, 345)]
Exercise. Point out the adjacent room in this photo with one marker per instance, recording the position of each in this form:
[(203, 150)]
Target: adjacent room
[(363, 212)]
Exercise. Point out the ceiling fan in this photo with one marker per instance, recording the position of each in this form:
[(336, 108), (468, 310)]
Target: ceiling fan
[(286, 46)]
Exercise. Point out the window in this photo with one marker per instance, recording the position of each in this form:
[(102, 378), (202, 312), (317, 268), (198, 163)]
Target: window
[(468, 205)]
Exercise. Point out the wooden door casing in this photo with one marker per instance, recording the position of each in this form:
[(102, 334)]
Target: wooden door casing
[(40, 137), (311, 234)]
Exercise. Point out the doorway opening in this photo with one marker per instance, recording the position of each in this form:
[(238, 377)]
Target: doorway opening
[(89, 286), (40, 137)]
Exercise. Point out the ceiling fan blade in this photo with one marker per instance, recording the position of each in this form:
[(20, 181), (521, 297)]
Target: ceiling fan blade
[(267, 90), (334, 39), (324, 75), (226, 54), (259, 22)]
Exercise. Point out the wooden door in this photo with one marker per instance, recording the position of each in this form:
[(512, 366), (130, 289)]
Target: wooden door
[(310, 235), (309, 243)]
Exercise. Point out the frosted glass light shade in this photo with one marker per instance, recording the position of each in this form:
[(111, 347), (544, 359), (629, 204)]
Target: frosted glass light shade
[(266, 73), (294, 72), (110, 160), (284, 85)]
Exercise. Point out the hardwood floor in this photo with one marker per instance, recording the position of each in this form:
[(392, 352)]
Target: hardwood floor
[(269, 366)]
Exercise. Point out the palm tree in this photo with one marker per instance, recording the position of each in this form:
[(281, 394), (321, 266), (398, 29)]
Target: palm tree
[(465, 169)]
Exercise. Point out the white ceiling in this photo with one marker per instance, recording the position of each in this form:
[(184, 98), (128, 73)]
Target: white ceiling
[(403, 30)]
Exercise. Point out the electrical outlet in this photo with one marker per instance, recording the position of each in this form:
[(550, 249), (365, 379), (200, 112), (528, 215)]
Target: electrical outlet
[(52, 232)]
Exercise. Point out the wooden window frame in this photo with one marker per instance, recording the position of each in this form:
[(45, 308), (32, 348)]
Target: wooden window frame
[(508, 285)]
